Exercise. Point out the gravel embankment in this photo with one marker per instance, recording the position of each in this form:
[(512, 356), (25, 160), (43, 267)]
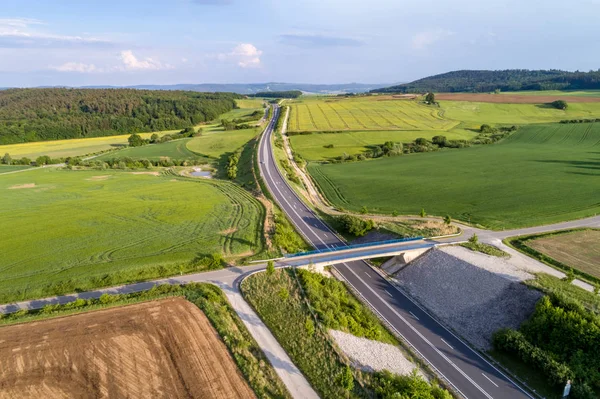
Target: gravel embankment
[(371, 355), (475, 296)]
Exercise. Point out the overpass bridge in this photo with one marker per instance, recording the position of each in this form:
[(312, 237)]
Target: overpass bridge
[(406, 249)]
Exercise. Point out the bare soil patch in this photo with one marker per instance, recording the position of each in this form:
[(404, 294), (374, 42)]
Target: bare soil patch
[(158, 349), (579, 250), (21, 186), (146, 173), (229, 231), (97, 178), (512, 98)]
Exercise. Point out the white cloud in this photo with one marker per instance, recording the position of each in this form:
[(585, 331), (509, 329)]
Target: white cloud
[(21, 33), (246, 55), (131, 62), (423, 40), (77, 67)]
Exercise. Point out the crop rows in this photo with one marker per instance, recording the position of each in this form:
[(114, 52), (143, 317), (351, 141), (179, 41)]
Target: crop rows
[(365, 114)]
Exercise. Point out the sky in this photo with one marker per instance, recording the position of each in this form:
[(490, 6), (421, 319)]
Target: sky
[(129, 42)]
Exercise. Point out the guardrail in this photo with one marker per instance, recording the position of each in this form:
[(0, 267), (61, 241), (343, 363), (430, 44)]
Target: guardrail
[(368, 244)]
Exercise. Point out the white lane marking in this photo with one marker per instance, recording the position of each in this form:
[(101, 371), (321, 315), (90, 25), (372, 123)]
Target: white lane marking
[(488, 378), (389, 293), (450, 346), (413, 315), (368, 275), (422, 337)]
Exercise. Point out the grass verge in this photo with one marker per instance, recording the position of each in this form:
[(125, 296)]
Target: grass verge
[(298, 309), (485, 249)]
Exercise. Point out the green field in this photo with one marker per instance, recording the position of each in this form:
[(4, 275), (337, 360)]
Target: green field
[(70, 148), (312, 146), (176, 149), (12, 168), (476, 113), (541, 174), (246, 108), (219, 142), (83, 225), (364, 113)]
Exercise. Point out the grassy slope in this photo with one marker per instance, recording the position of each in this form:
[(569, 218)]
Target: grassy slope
[(364, 113), (126, 223), (312, 146), (12, 168), (475, 113), (176, 149), (541, 174), (246, 108), (70, 148), (218, 142)]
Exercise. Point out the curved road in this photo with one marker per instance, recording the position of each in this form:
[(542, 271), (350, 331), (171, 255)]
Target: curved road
[(463, 368)]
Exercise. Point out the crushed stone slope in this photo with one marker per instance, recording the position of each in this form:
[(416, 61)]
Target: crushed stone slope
[(474, 301)]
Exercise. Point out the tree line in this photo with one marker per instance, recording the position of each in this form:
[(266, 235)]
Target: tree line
[(53, 114), (278, 94), (506, 80), (561, 340)]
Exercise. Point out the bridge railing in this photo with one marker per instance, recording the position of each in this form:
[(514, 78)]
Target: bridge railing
[(368, 244)]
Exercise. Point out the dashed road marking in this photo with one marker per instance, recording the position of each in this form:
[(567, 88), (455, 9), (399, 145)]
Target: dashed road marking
[(488, 378), (413, 315), (447, 343)]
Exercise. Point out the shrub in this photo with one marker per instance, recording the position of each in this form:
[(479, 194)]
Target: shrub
[(474, 239), (514, 342), (355, 225), (559, 104), (270, 268)]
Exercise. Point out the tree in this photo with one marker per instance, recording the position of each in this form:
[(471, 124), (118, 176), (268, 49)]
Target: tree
[(439, 140), (154, 138), (6, 159), (570, 276), (135, 140), (270, 268), (485, 128), (448, 220), (560, 104), (355, 225), (422, 213), (346, 379), (474, 239), (430, 98)]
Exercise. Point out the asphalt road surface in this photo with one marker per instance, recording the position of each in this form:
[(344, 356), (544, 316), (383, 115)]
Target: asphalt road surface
[(463, 368)]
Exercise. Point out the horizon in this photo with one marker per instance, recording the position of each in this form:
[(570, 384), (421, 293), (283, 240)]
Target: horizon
[(223, 41)]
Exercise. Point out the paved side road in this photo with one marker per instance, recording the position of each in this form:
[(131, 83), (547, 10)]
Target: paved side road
[(228, 280)]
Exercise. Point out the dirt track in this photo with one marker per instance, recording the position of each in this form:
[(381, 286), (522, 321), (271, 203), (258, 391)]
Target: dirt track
[(160, 349), (513, 98)]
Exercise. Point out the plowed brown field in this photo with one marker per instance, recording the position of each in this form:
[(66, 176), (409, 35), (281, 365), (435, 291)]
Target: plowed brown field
[(159, 349), (512, 98)]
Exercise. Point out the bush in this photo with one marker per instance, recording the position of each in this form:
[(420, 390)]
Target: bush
[(560, 104), (513, 342), (355, 225)]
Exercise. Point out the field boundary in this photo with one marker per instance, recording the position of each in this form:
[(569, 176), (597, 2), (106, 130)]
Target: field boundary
[(519, 243)]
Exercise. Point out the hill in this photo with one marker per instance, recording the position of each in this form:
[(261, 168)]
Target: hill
[(479, 81), (57, 113)]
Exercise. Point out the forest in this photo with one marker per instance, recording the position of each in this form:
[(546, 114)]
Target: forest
[(506, 80), (278, 94), (56, 113)]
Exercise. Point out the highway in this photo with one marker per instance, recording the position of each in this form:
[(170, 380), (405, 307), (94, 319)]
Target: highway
[(462, 368)]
